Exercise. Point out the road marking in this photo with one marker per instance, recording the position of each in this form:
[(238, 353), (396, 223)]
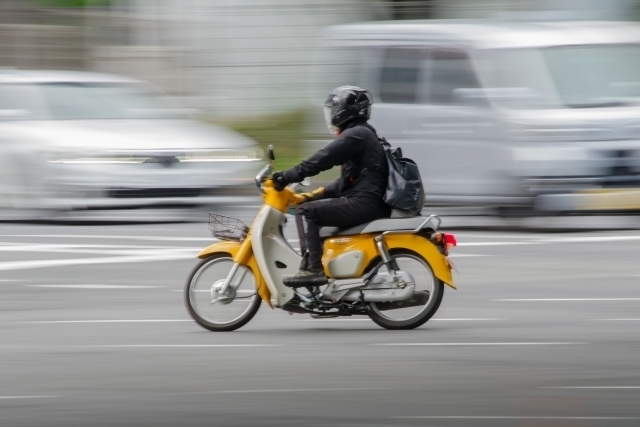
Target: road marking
[(614, 387), (27, 265), (27, 397), (618, 320), (333, 320), (108, 321), (585, 239), (178, 345), (478, 344), (100, 236), (498, 243), (289, 390), (468, 319), (563, 299), (460, 255), (548, 241), (96, 286), (506, 417)]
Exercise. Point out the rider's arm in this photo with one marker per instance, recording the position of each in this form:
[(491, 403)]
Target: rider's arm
[(332, 190), (339, 152)]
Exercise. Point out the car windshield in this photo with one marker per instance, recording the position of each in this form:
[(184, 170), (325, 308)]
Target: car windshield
[(567, 76), (83, 101)]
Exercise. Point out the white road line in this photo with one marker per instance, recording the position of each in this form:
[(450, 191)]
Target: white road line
[(96, 286), (547, 241), (99, 249), (178, 345), (461, 255), (101, 236), (467, 319), (591, 239), (498, 243), (27, 397), (44, 247), (107, 321), (618, 320), (506, 417), (290, 390), (563, 299), (333, 320), (477, 344), (613, 387), (368, 320), (27, 265)]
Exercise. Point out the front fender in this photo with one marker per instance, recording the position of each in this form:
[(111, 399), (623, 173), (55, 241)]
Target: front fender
[(233, 248), (439, 264)]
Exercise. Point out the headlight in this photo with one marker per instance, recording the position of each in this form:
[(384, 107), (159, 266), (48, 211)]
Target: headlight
[(92, 158), (251, 155), (196, 156)]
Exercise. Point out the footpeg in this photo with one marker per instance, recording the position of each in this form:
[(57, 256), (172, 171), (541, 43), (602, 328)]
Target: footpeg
[(306, 278)]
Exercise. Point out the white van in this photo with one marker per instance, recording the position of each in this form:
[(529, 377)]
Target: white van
[(517, 116)]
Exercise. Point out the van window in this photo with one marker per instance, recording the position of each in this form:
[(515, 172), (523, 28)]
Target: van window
[(400, 75), (449, 70)]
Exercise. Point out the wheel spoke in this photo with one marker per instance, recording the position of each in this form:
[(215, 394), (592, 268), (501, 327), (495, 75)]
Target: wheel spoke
[(424, 280), (223, 310)]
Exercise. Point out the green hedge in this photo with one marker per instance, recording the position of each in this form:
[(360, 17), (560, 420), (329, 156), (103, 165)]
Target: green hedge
[(284, 131), (72, 3)]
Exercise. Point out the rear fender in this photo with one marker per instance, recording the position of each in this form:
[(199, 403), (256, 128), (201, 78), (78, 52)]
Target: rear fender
[(438, 262), (244, 248)]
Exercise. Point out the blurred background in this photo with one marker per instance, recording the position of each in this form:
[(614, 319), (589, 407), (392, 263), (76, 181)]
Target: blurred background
[(217, 81), (123, 122)]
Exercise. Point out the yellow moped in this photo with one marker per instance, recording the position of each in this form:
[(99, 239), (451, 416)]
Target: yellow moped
[(392, 270)]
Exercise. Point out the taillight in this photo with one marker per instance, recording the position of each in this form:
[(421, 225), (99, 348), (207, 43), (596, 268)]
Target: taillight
[(445, 240), (449, 241)]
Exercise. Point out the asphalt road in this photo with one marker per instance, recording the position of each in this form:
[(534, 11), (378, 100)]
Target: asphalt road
[(543, 331)]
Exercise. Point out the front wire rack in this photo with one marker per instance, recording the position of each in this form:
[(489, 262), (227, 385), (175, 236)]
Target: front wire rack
[(227, 228)]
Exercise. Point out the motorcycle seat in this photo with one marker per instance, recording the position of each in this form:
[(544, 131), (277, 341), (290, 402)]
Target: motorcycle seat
[(377, 226)]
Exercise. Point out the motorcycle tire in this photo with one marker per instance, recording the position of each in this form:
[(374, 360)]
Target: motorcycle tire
[(209, 324), (430, 308)]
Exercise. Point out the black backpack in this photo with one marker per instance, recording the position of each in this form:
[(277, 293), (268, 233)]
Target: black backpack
[(404, 193)]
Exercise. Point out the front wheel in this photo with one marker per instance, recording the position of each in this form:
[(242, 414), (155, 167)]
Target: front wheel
[(425, 280), (221, 312)]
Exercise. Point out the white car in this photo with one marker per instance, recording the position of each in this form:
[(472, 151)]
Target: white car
[(77, 141)]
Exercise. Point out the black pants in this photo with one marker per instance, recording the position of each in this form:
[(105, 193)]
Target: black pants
[(340, 212)]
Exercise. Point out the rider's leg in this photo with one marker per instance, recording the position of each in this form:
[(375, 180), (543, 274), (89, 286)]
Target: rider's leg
[(340, 212), (303, 241)]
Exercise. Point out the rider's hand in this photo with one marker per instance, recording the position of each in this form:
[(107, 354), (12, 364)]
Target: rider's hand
[(301, 198), (279, 181)]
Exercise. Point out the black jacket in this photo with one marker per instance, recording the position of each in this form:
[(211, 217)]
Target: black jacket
[(359, 152)]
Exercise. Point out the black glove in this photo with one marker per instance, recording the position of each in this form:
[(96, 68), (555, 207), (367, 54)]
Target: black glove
[(280, 181)]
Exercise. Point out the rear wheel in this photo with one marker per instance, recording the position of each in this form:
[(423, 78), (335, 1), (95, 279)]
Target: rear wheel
[(221, 312), (425, 280)]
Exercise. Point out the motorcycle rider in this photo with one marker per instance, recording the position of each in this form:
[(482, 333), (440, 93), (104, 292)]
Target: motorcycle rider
[(352, 199)]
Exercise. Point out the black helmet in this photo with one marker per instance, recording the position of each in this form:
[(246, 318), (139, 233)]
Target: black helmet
[(346, 103)]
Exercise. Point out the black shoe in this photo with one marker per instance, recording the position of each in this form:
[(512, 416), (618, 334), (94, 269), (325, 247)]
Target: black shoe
[(314, 277)]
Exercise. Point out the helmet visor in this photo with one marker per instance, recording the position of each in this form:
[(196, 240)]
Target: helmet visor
[(327, 120)]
